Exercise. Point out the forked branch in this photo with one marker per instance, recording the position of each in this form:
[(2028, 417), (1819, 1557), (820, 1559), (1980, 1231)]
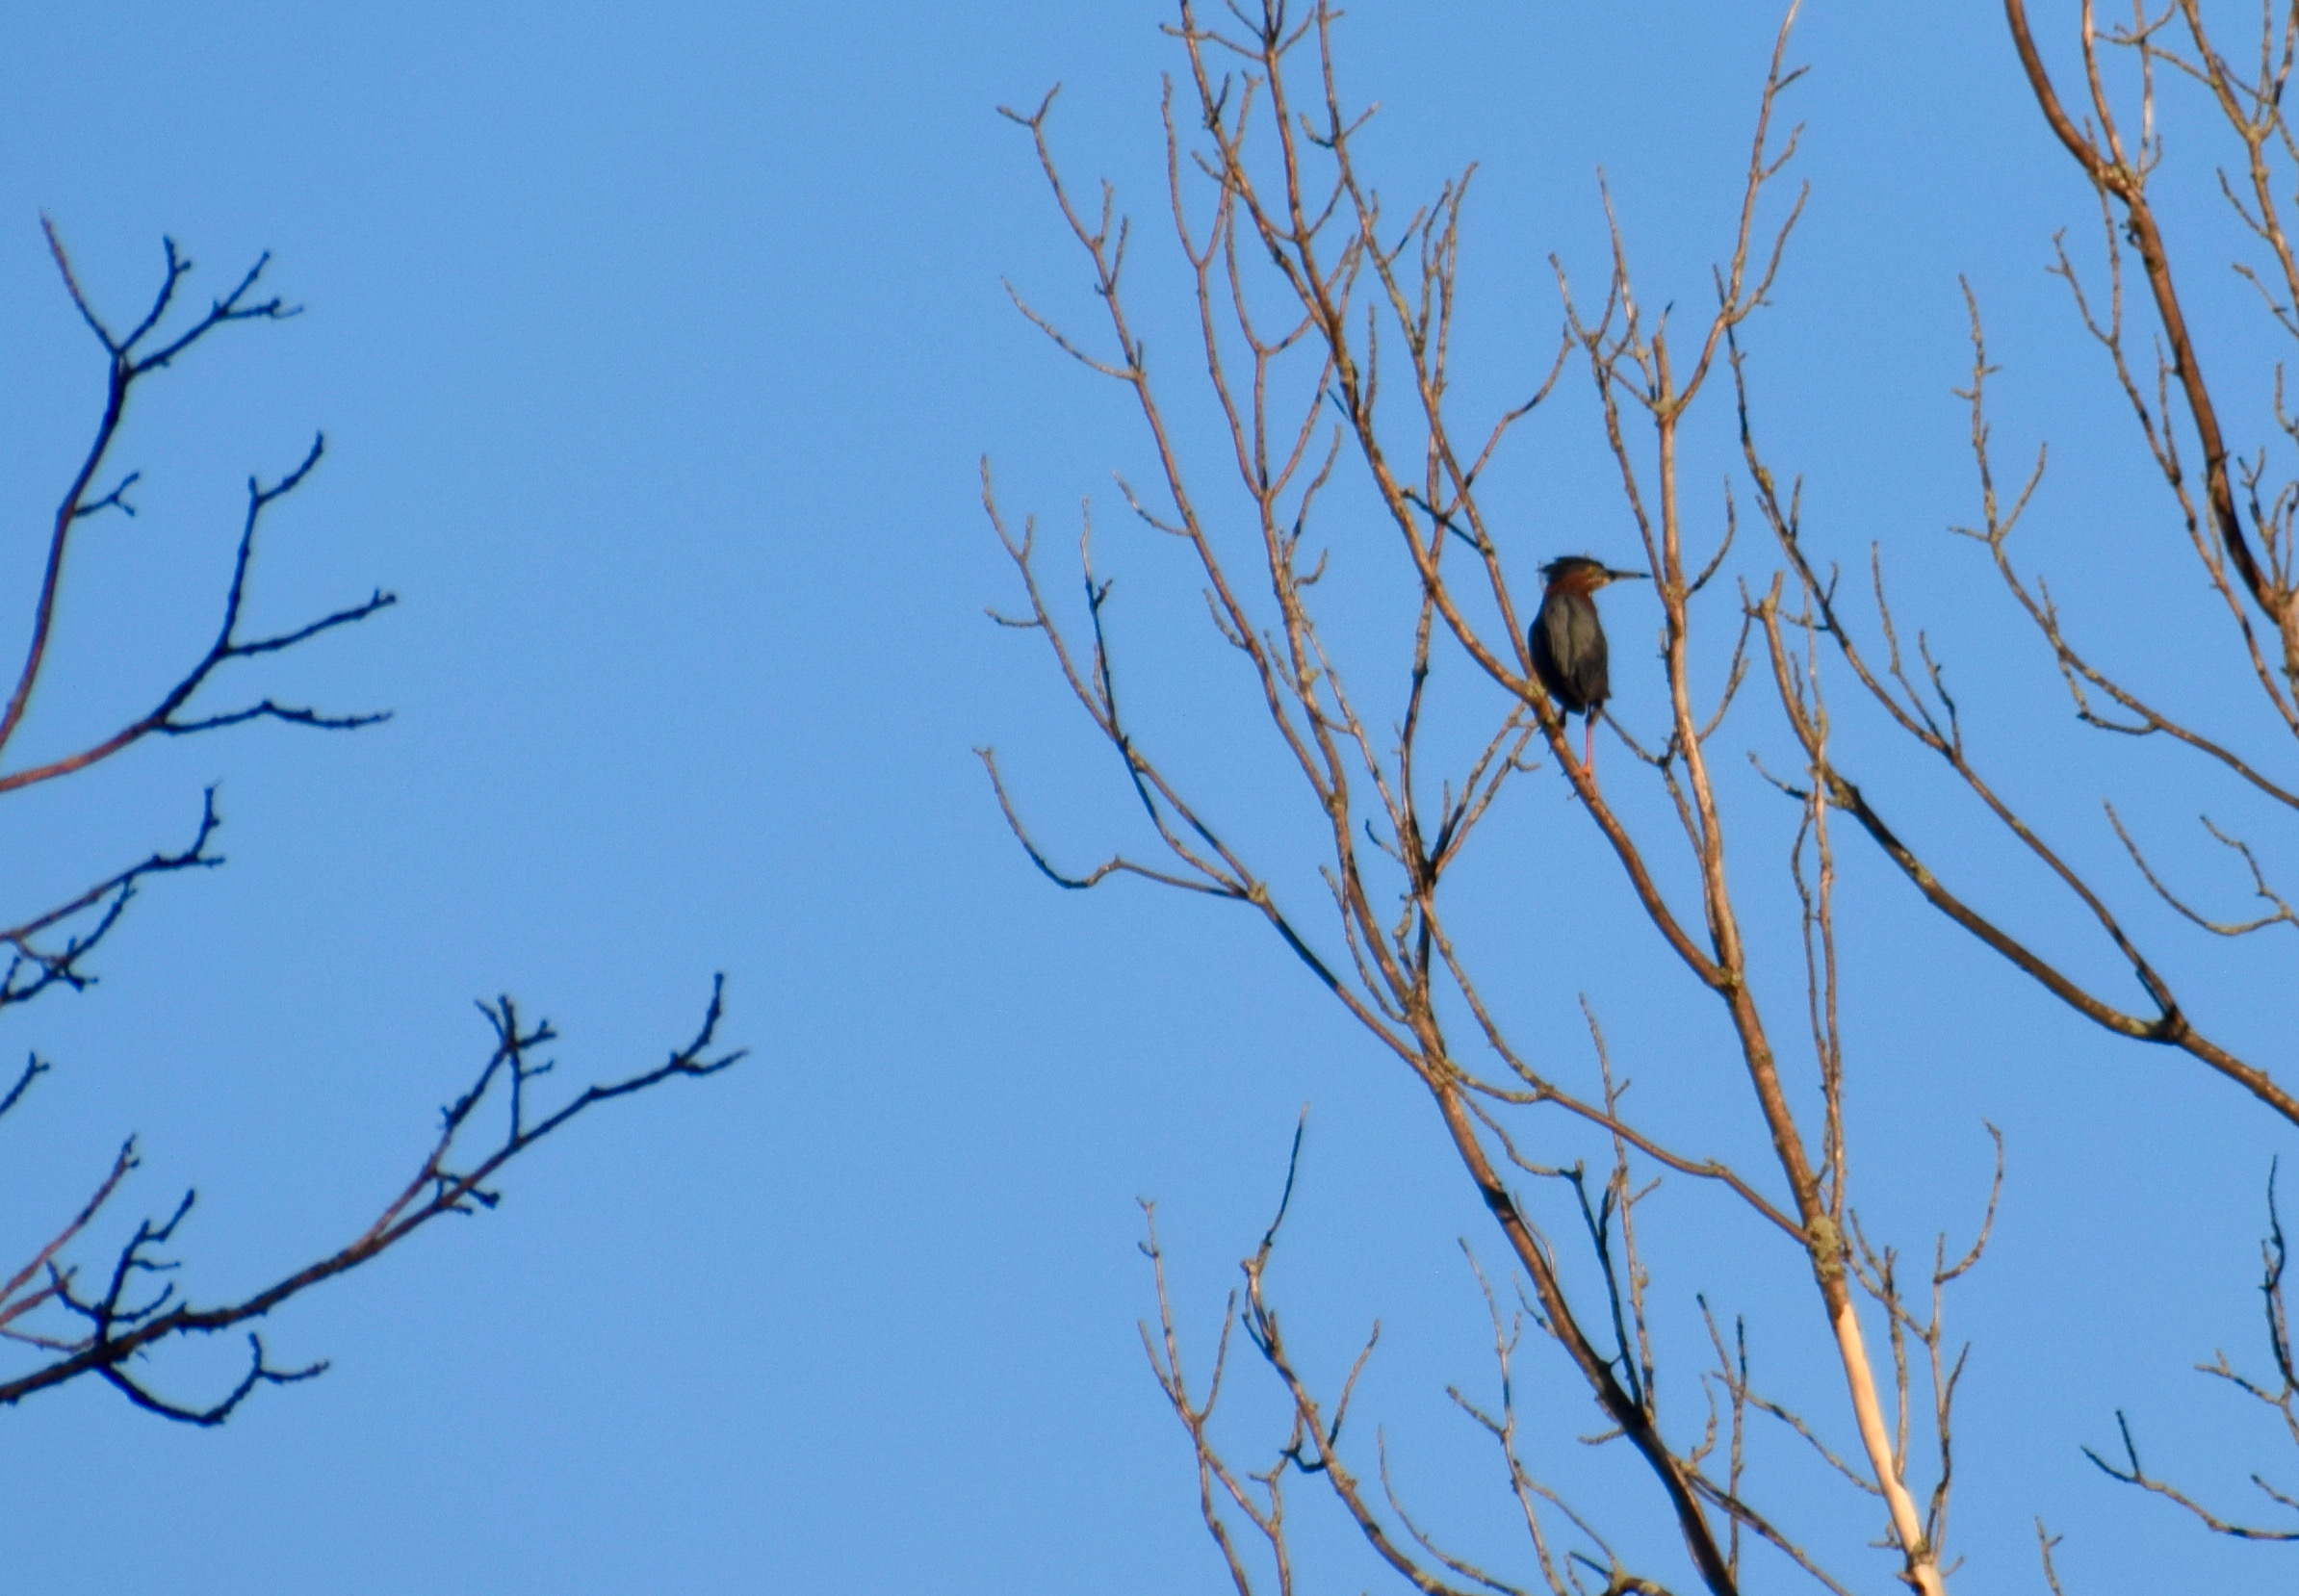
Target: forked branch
[(125, 1319), (132, 358)]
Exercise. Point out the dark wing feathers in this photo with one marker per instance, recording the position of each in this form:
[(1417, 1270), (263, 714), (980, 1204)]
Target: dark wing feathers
[(1570, 653)]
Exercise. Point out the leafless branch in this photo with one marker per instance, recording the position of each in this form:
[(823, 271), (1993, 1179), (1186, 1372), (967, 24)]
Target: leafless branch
[(133, 358), (126, 1322)]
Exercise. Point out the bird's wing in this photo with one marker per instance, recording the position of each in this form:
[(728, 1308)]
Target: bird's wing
[(1592, 659)]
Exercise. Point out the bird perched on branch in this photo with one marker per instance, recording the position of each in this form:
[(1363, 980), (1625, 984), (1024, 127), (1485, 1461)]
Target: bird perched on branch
[(1568, 640)]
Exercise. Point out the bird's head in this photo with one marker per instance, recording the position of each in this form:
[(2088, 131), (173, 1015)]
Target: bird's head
[(1578, 574)]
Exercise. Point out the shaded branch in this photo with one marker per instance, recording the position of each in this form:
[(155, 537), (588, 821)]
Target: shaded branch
[(132, 358), (122, 1325), (33, 968)]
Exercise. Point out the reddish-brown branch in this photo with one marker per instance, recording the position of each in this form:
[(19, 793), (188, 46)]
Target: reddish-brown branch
[(2113, 173)]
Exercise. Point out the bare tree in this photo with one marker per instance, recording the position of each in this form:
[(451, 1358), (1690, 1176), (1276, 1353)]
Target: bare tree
[(1325, 323), (1271, 208), (68, 1318)]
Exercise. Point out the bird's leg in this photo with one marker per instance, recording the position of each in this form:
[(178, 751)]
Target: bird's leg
[(1588, 742)]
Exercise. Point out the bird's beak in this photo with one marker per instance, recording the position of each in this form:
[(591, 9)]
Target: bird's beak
[(1627, 576)]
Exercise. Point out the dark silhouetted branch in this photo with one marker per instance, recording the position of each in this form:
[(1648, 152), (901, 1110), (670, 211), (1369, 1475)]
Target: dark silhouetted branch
[(127, 1320)]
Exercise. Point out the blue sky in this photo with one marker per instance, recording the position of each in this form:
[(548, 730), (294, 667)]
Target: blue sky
[(656, 354)]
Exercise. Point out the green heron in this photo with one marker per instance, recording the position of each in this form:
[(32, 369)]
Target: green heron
[(1568, 640)]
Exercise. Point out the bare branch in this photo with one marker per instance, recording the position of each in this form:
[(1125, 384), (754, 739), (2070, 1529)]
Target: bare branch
[(121, 1329)]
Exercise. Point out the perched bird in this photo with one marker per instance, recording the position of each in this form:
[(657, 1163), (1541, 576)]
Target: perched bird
[(1568, 640)]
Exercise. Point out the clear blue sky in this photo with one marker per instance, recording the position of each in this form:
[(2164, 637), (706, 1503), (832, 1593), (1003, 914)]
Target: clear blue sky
[(655, 351)]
